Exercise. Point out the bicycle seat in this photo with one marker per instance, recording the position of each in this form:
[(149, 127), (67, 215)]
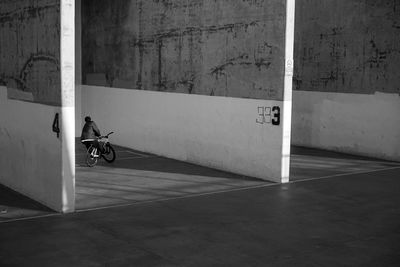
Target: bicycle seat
[(87, 140)]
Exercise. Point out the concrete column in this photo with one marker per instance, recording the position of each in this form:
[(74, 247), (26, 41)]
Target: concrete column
[(287, 91), (67, 63)]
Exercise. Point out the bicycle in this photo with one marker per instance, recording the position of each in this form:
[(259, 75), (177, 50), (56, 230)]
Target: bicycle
[(93, 153)]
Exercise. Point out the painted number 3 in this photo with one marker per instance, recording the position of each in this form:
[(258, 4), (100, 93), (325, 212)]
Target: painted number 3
[(269, 115)]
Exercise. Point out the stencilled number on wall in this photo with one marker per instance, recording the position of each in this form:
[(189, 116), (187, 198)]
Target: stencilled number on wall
[(269, 115), (56, 125), (276, 113)]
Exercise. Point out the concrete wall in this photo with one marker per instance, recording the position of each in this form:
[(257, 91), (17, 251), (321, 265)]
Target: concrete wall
[(347, 46), (346, 80), (219, 132), (36, 73), (366, 125), (224, 62), (30, 50), (78, 68), (207, 47), (31, 152)]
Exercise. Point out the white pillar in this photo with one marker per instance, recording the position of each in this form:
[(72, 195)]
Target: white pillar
[(68, 104), (287, 93)]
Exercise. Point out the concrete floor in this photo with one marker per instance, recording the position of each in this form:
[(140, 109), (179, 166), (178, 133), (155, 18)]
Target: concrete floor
[(14, 206), (309, 163), (137, 177), (340, 211)]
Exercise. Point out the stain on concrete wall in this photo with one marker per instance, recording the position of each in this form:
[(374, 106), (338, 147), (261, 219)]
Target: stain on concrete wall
[(347, 46), (207, 47), (30, 50)]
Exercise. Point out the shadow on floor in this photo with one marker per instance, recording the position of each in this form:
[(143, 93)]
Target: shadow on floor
[(136, 160), (308, 151), (140, 177), (15, 206), (310, 163)]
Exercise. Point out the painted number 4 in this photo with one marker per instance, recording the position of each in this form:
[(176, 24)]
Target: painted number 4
[(56, 125), (269, 115)]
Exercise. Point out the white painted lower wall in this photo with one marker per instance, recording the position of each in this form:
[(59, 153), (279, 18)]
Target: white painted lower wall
[(32, 161), (217, 132), (367, 125)]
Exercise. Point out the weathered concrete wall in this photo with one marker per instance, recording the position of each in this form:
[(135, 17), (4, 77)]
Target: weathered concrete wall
[(208, 47), (346, 85), (30, 50), (36, 65), (347, 46), (78, 69)]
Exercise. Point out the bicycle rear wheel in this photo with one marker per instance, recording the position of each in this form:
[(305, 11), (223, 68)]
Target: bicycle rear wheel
[(109, 154), (92, 156)]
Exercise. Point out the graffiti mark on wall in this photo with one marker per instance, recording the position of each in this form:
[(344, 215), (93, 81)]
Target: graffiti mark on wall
[(39, 75), (28, 68), (190, 31), (242, 60), (27, 11)]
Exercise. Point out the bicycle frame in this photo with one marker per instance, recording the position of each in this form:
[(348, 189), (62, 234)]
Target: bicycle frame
[(93, 151)]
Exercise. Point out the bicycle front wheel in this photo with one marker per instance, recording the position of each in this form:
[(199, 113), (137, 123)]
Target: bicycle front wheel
[(92, 156), (109, 154)]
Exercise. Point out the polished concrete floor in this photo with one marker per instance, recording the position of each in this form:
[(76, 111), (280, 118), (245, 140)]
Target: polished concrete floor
[(339, 210)]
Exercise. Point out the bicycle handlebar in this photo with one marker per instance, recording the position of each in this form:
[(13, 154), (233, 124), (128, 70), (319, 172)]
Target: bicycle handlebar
[(102, 136)]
